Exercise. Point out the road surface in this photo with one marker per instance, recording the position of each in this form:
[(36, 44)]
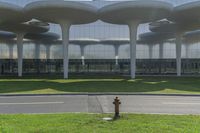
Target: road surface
[(100, 104)]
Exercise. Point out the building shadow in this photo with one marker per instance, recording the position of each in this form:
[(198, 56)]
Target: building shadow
[(141, 84)]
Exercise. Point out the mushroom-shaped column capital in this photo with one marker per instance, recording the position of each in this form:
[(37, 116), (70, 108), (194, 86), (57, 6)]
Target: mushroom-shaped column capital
[(9, 38), (42, 38), (10, 13), (116, 43), (64, 13), (187, 13), (21, 30), (135, 11), (82, 43), (132, 13)]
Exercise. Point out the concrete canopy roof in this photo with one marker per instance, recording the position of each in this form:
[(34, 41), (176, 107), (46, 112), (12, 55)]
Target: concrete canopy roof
[(133, 13), (192, 37), (163, 26), (154, 37), (64, 13), (186, 13), (195, 33), (7, 35), (84, 41), (115, 41), (58, 11), (24, 28), (143, 11), (171, 27), (10, 13), (43, 37)]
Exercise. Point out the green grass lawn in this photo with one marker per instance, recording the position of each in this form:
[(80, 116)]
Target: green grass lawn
[(168, 85), (93, 123)]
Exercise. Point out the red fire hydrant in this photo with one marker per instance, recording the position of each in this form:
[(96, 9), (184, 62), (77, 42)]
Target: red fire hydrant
[(116, 103)]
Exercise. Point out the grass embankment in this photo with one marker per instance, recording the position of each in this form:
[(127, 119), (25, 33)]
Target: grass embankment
[(93, 123), (168, 85)]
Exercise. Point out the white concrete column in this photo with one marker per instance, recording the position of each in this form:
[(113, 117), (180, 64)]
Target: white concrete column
[(187, 50), (82, 50), (48, 51), (161, 51), (65, 40), (116, 47), (150, 51), (20, 37), (11, 50), (178, 53), (133, 40), (37, 51)]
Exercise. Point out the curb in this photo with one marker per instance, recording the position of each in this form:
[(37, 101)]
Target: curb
[(93, 94)]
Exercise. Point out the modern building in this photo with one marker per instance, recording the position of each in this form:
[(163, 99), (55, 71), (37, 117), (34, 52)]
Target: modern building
[(99, 57)]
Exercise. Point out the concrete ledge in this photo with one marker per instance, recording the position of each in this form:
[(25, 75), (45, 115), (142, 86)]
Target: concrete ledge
[(100, 93)]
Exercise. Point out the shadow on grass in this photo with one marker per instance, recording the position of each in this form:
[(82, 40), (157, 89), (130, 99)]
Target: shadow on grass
[(141, 84)]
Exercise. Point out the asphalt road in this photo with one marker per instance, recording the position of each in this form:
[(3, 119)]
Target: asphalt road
[(100, 104)]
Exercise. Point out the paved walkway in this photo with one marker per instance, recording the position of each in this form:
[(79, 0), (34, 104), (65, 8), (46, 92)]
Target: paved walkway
[(100, 104)]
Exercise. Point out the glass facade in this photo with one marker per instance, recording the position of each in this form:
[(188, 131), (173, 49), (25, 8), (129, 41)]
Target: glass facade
[(100, 57)]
